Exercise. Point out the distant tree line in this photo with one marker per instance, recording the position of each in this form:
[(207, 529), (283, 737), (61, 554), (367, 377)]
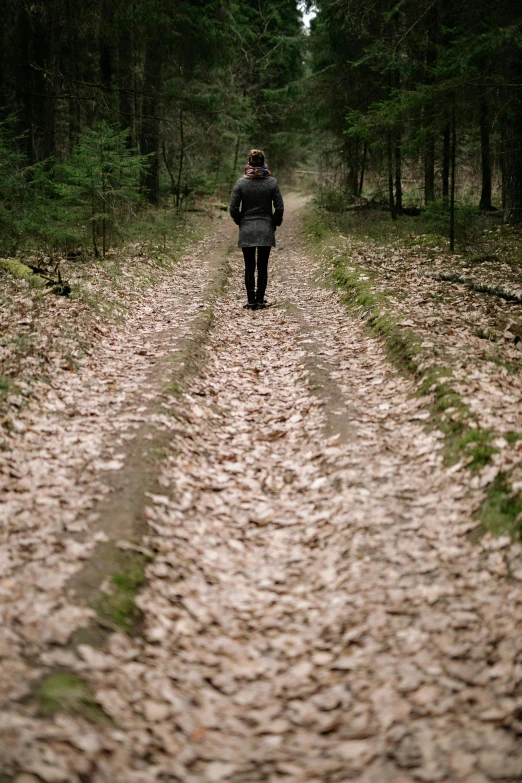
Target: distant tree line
[(425, 86), (190, 85)]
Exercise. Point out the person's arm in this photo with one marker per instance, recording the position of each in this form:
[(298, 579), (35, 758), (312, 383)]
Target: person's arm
[(279, 206), (235, 204)]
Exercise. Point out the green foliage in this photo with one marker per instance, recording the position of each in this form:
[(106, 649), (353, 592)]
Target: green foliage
[(4, 386), (55, 227), (69, 693), (13, 189), (331, 198), (420, 85), (476, 445), (501, 511), (21, 205), (316, 227), (195, 83), (267, 65), (118, 606), (60, 206), (100, 183), (436, 218), (445, 397), (21, 272)]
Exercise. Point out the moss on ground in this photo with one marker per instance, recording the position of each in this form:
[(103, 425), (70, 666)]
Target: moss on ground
[(476, 445), (401, 344), (463, 439), (433, 381), (501, 512), (67, 692), (119, 605)]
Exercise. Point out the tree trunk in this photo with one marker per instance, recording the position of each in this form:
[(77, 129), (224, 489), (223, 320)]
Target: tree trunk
[(236, 156), (181, 159), (512, 148), (70, 59), (390, 179), (352, 159), (433, 35), (503, 147), (169, 170), (429, 170), (485, 154), (398, 175), (106, 63), (446, 137), (107, 47), (150, 125), (45, 56), (23, 81), (512, 168), (103, 200), (93, 216), (453, 171), (126, 79), (363, 167)]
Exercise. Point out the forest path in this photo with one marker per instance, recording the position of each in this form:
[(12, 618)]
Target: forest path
[(314, 610)]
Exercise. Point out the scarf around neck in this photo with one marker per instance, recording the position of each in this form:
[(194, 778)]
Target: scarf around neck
[(256, 172)]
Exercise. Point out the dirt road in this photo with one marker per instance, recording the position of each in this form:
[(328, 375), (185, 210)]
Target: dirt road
[(313, 609)]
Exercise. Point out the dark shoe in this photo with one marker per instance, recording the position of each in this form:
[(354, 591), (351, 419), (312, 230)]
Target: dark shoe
[(251, 297)]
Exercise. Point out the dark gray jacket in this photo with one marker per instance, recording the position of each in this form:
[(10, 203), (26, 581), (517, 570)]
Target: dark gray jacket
[(251, 208)]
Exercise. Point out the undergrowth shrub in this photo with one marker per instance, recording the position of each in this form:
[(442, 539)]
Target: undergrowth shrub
[(21, 198), (436, 218), (58, 206), (100, 184), (331, 198)]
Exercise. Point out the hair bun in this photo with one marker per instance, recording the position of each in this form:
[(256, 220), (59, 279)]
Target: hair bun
[(256, 157)]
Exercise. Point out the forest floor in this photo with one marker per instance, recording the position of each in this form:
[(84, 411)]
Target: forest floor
[(244, 546)]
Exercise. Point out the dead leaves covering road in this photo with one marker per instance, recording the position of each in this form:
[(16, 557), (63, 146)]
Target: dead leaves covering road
[(314, 610), (474, 338)]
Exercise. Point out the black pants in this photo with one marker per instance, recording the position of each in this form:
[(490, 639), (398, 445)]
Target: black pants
[(249, 254)]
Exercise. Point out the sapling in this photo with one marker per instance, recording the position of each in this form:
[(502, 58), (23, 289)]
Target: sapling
[(101, 181)]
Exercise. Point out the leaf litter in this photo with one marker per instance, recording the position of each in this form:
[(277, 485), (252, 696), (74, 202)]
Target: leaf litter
[(314, 611), (454, 307)]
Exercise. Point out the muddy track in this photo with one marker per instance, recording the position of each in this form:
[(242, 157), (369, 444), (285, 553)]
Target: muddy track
[(313, 610)]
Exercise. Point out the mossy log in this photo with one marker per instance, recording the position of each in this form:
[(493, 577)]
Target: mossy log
[(21, 272), (35, 277), (481, 288)]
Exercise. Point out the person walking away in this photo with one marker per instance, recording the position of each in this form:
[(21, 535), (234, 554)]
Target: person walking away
[(251, 209)]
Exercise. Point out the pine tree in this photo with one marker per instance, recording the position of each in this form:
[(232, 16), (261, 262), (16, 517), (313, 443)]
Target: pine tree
[(100, 182)]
